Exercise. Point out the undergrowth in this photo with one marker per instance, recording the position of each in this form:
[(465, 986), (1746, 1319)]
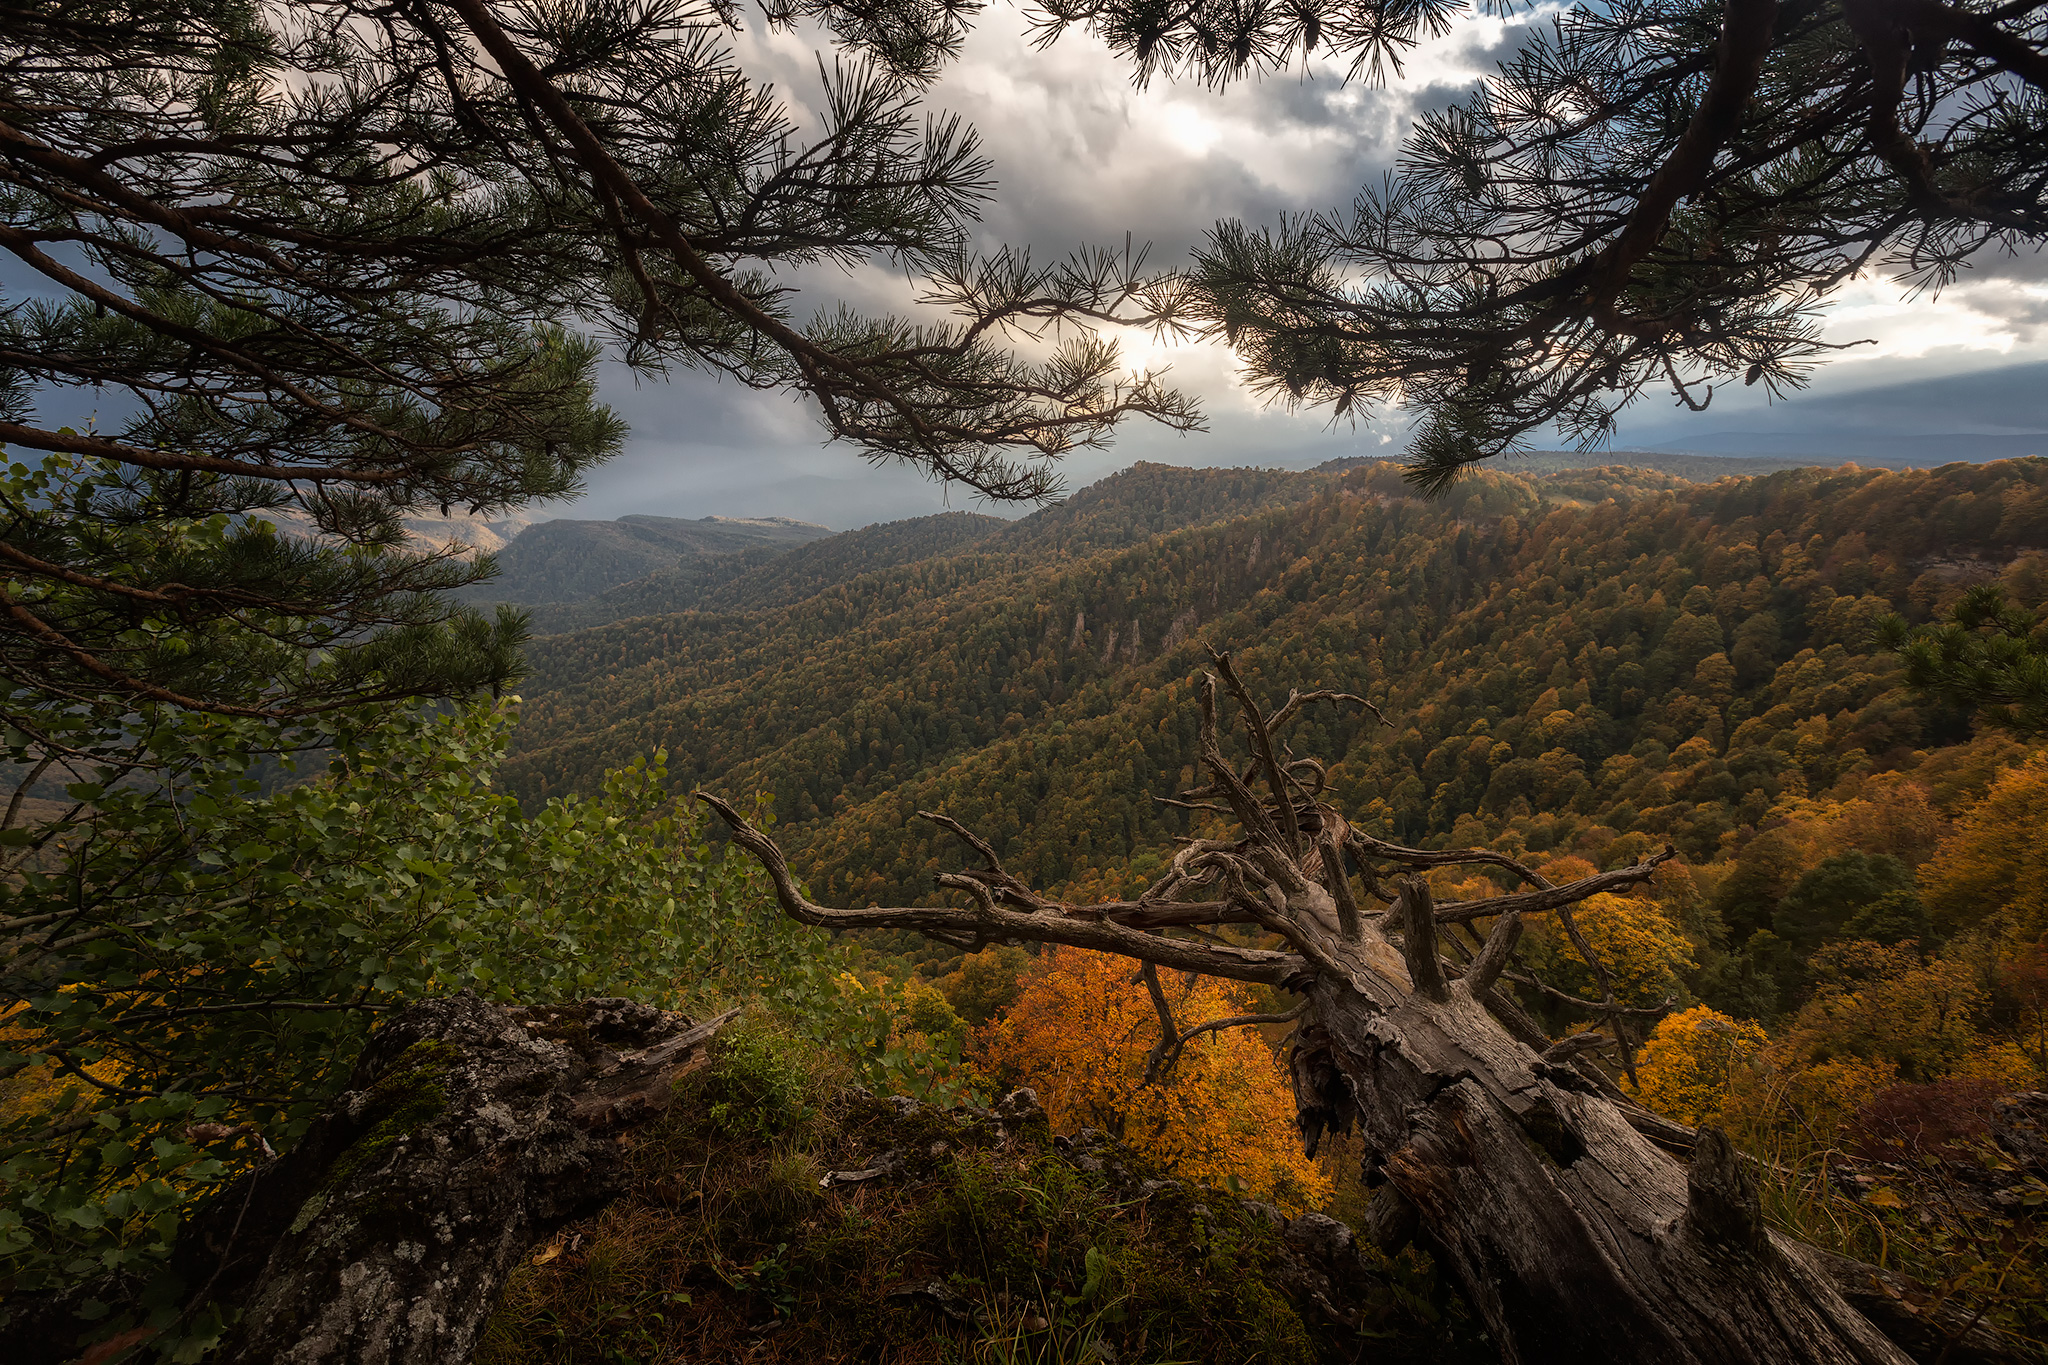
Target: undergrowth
[(984, 1245), (1931, 1219)]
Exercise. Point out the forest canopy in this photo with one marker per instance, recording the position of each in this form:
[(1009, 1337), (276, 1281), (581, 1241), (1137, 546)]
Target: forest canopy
[(342, 263)]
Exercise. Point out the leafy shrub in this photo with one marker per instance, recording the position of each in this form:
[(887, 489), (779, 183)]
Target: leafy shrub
[(1941, 1119), (759, 1083), (209, 957)]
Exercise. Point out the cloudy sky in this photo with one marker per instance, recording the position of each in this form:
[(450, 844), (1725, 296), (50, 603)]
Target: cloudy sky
[(1084, 157)]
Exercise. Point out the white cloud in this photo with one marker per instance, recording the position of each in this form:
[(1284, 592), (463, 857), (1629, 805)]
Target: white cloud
[(1082, 157)]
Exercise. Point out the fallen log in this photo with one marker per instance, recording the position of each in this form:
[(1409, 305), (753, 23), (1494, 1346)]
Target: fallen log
[(1582, 1229)]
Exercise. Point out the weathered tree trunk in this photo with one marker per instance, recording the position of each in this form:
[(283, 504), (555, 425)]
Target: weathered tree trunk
[(468, 1133), (1574, 1236), (1534, 1182)]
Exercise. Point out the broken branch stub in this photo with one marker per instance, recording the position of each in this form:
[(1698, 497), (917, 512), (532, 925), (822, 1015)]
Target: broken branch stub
[(1558, 1206), (1418, 939)]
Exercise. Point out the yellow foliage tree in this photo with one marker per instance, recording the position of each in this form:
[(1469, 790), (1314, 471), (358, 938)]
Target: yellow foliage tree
[(1886, 1006), (1880, 1017), (43, 1089), (1645, 953), (2024, 969), (1995, 864), (1080, 1033), (1691, 1062)]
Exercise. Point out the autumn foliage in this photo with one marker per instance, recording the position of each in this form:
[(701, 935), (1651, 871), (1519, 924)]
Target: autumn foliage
[(1692, 1062), (1578, 667), (1996, 863), (1080, 1032)]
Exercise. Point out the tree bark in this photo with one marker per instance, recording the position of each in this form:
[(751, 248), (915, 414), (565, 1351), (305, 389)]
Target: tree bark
[(1582, 1228), (468, 1133), (1572, 1235)]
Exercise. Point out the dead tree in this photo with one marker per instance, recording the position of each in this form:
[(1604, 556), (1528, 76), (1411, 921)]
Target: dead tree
[(1580, 1226)]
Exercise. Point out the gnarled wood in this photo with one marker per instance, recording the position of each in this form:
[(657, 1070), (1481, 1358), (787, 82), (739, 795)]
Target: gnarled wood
[(1580, 1226)]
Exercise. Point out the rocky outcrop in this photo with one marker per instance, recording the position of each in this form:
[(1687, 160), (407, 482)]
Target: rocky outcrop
[(468, 1132)]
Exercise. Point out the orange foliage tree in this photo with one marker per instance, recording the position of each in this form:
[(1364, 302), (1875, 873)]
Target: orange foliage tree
[(1081, 1032)]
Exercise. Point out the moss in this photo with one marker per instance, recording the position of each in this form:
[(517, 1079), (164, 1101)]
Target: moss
[(409, 1095)]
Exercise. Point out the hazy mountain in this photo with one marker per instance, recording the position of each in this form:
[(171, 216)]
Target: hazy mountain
[(769, 575), (1881, 449), (473, 535), (1983, 415), (567, 560)]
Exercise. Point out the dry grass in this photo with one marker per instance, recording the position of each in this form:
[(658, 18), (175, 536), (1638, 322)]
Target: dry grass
[(1931, 1219), (727, 1250)]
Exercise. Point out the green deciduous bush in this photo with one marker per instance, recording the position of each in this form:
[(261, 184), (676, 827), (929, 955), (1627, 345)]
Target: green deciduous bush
[(192, 963)]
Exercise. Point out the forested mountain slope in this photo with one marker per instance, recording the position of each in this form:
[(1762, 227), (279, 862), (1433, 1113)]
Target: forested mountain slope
[(598, 696), (731, 666), (1604, 651), (568, 559), (773, 575)]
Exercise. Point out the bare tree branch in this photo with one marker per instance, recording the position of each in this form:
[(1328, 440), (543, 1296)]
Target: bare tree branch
[(1075, 927), (1262, 749), (1553, 897), (1297, 701), (1168, 1030), (1170, 1055)]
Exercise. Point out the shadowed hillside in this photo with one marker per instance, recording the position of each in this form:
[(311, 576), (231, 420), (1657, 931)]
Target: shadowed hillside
[(771, 575), (561, 561), (1591, 655)]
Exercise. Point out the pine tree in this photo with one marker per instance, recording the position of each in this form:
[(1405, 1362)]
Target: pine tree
[(1648, 192), (341, 262), (1989, 657)]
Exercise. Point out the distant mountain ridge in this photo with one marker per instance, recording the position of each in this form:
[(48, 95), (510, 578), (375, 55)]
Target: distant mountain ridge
[(1926, 422), (764, 576), (568, 559), (1866, 447), (1139, 502), (1701, 459)]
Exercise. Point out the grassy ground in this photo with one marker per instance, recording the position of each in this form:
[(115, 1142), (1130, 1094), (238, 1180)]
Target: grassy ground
[(989, 1242)]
